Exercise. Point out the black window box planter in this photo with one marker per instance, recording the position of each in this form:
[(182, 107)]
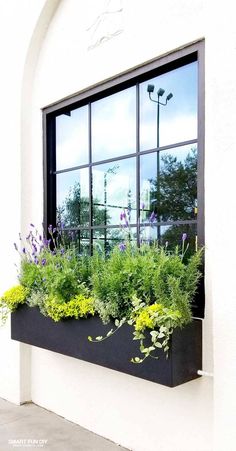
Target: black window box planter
[(70, 337)]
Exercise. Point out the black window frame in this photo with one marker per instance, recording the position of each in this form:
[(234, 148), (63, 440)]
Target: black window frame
[(163, 64)]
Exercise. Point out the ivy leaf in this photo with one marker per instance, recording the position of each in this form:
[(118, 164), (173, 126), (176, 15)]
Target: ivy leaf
[(161, 335), (158, 345), (144, 350), (151, 348), (136, 360), (163, 329), (154, 333)]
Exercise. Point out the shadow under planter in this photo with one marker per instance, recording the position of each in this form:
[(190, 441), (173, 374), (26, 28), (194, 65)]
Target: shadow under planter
[(70, 337)]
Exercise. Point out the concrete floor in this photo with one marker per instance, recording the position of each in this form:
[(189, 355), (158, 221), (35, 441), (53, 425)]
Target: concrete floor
[(29, 427)]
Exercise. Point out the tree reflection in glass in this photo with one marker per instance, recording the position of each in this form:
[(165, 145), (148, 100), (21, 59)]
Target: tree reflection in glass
[(172, 193), (170, 235), (73, 198), (114, 189)]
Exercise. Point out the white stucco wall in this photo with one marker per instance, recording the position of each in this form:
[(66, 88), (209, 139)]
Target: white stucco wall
[(15, 35), (135, 413)]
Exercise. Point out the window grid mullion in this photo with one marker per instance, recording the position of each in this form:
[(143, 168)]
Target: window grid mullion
[(90, 180), (130, 155), (138, 163)]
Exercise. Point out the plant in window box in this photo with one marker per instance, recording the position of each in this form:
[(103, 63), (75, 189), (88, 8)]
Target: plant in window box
[(146, 290), (52, 278)]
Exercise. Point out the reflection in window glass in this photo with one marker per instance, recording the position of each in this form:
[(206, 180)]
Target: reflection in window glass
[(170, 236), (113, 125), (72, 138), (178, 119), (79, 238), (73, 198), (168, 186), (114, 190), (107, 239)]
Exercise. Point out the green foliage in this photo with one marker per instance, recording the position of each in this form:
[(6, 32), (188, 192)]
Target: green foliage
[(60, 273), (37, 299), (155, 289), (161, 320), (149, 273), (150, 288), (30, 275), (11, 299), (78, 307), (117, 279)]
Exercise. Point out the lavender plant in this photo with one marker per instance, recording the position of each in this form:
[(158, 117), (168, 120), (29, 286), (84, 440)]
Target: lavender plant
[(149, 287), (50, 274)]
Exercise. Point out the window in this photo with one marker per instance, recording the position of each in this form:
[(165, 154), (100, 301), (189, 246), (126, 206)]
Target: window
[(133, 147)]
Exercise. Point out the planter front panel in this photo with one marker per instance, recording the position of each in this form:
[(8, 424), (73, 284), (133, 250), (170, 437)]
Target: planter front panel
[(70, 337)]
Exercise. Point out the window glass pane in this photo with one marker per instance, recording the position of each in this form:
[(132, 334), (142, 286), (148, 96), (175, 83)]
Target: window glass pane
[(73, 198), (176, 121), (72, 139), (107, 239), (114, 125), (170, 236), (79, 238), (168, 185), (114, 189)]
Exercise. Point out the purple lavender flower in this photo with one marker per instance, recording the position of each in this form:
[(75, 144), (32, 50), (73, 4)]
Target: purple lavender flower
[(62, 251), (32, 225), (184, 236), (20, 237), (72, 234), (44, 261), (122, 247), (36, 260), (54, 230), (142, 206), (40, 237), (123, 215), (34, 247), (23, 250), (46, 242), (152, 218), (15, 246)]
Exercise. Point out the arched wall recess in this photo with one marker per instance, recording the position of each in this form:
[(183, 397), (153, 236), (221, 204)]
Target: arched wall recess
[(27, 143)]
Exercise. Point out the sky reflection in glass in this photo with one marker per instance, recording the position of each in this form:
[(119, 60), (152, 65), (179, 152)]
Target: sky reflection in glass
[(178, 119), (72, 139), (113, 125)]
